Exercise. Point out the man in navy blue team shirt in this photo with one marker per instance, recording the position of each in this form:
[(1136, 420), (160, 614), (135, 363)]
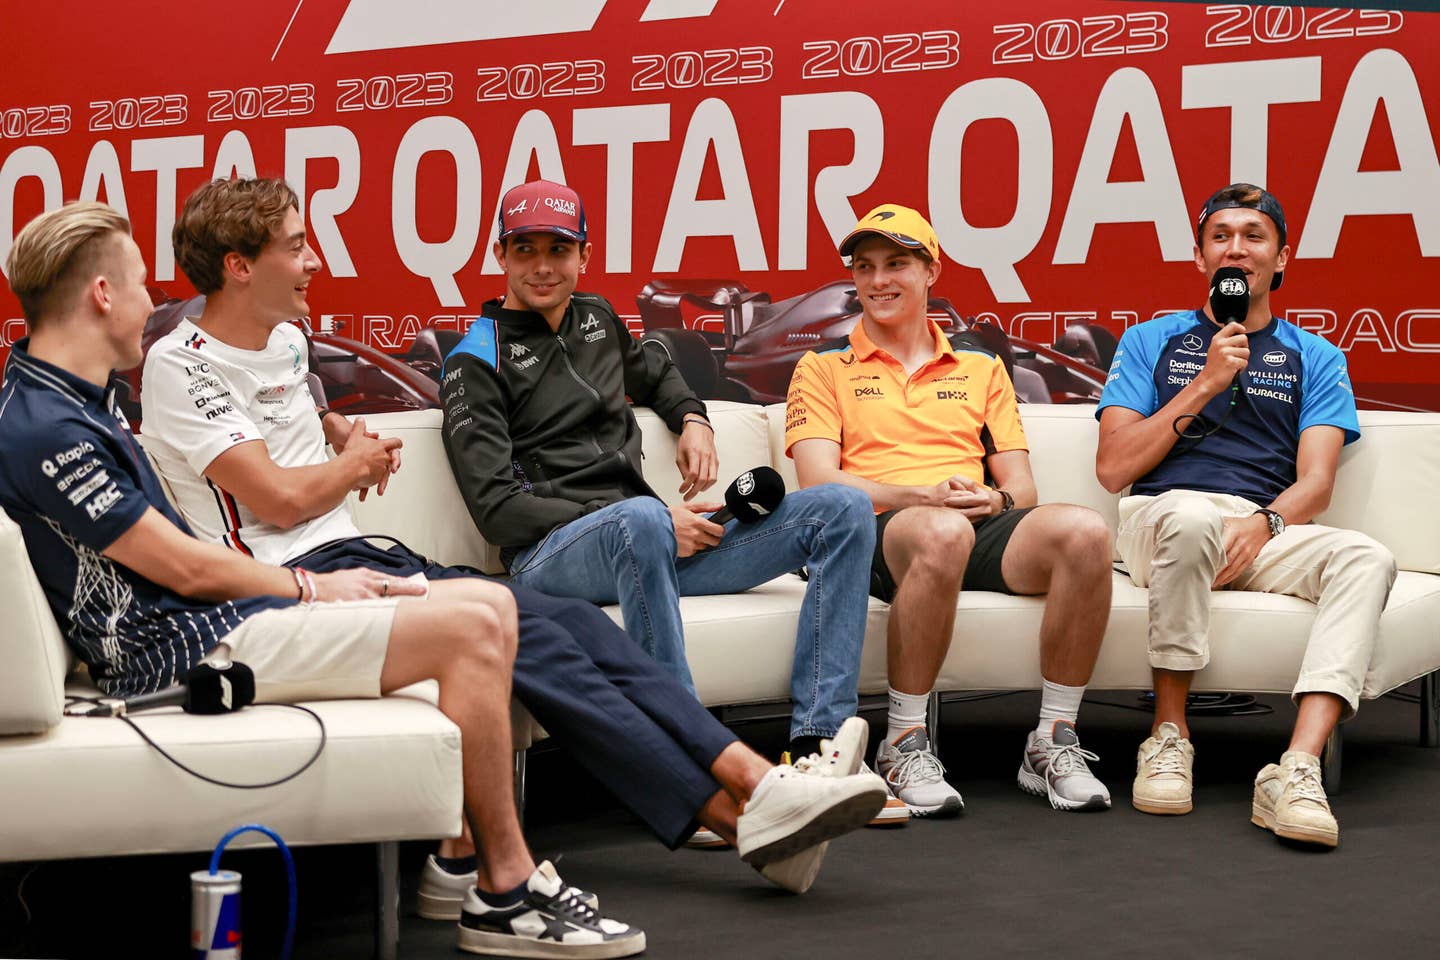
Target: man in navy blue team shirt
[(141, 600), (1264, 408)]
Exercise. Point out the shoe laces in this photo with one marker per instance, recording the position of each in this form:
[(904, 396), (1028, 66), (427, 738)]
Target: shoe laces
[(1303, 782), (1070, 758), (916, 766), (572, 903), (1168, 758)]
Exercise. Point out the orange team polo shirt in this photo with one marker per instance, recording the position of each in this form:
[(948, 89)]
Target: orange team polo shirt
[(914, 430)]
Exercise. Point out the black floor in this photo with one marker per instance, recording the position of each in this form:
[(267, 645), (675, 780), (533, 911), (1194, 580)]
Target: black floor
[(1010, 878)]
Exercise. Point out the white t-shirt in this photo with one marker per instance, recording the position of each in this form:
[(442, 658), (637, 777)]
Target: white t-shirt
[(200, 397)]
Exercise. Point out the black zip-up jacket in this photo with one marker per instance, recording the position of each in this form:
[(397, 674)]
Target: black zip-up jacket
[(536, 425)]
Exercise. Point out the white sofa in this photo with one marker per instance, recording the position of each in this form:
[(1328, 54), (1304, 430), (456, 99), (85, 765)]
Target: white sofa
[(740, 646), (84, 787), (391, 769)]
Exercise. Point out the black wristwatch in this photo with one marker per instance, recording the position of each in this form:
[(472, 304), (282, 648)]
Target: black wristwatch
[(1277, 522), (1007, 502)]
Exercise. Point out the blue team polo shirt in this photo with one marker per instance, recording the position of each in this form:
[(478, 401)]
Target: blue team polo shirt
[(74, 479), (1295, 380)]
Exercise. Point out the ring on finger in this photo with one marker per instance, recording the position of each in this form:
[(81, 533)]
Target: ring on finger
[(384, 588)]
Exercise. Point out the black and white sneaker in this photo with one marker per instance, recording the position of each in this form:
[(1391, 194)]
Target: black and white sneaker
[(551, 920)]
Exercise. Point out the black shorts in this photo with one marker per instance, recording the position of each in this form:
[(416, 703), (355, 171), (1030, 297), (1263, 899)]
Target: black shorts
[(992, 536)]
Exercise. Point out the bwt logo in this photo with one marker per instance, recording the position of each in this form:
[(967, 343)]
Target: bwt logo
[(1234, 287)]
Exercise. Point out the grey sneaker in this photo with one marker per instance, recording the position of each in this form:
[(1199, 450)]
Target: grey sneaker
[(1163, 778), (1290, 801), (915, 775), (1056, 769)]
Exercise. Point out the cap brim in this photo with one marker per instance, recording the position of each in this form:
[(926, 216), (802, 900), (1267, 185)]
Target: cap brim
[(847, 246), (558, 231)]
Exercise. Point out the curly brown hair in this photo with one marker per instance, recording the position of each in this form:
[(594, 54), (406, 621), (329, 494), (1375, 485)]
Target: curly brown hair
[(222, 216)]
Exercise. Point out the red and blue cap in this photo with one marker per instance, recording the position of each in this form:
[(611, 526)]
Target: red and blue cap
[(542, 206)]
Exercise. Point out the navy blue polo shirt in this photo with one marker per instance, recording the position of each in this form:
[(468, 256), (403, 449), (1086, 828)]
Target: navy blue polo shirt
[(74, 480), (1295, 380)]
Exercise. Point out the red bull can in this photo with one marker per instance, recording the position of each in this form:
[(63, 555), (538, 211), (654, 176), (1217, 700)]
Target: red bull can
[(215, 915)]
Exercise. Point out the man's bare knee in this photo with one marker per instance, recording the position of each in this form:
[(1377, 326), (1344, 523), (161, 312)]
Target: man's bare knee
[(937, 548), (1084, 540)]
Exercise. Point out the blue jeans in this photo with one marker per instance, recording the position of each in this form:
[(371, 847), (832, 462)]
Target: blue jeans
[(625, 553)]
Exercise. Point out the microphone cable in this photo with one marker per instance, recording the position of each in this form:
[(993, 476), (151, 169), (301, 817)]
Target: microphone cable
[(319, 748), (1197, 426)]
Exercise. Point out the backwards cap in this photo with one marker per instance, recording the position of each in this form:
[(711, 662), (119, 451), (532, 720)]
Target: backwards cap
[(1250, 197)]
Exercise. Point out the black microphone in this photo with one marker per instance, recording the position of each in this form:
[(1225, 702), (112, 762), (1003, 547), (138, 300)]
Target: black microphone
[(753, 496), (220, 687), (1229, 296), (1230, 303)]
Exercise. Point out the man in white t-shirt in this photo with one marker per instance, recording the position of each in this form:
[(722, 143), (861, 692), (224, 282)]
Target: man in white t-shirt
[(228, 416)]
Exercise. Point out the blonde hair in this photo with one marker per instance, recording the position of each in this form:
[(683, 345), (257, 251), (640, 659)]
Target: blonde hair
[(223, 216), (59, 252)]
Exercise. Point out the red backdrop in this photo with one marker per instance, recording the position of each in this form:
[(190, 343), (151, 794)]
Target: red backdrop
[(1059, 148)]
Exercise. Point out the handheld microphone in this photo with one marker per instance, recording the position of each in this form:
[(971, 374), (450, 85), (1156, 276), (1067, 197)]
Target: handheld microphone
[(221, 687), (1229, 296), (752, 496)]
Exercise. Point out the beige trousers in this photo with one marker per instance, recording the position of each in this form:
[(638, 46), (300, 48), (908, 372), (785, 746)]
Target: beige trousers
[(1173, 544)]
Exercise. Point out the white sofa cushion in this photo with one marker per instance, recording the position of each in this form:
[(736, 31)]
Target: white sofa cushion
[(91, 787), (32, 650)]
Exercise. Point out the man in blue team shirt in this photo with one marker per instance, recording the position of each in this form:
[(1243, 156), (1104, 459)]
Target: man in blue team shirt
[(141, 600), (1233, 508)]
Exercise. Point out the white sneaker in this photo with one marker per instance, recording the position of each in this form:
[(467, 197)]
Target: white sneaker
[(838, 757), (1056, 768), (1290, 801), (915, 775), (792, 810), (441, 892), (550, 920), (1163, 773), (706, 839)]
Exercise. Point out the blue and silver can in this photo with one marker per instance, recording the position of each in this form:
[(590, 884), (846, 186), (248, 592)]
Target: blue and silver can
[(215, 915)]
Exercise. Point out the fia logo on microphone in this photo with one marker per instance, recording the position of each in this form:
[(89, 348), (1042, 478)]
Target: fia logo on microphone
[(1233, 287), (745, 483)]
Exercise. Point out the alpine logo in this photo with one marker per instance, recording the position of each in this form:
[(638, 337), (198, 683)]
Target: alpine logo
[(195, 341), (590, 322), (518, 208), (1274, 358)]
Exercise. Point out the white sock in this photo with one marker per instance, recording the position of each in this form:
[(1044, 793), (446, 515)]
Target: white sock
[(1057, 702), (906, 710)]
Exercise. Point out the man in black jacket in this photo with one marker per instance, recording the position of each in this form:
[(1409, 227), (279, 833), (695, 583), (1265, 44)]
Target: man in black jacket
[(547, 455)]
